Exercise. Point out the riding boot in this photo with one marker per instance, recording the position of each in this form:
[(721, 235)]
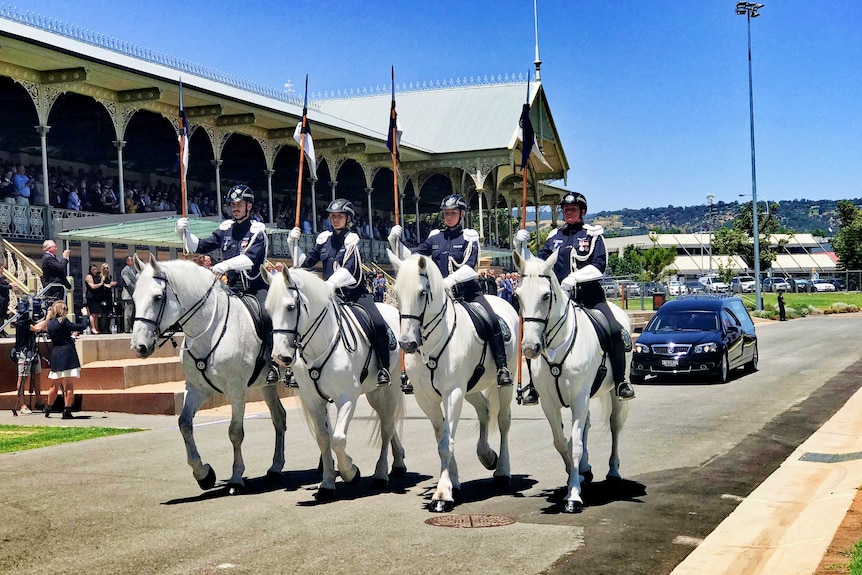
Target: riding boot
[(498, 348), (622, 388)]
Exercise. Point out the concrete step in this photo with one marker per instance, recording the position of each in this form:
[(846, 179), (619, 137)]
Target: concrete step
[(154, 399), (129, 373)]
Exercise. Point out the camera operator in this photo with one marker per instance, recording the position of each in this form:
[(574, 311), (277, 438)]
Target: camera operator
[(29, 322)]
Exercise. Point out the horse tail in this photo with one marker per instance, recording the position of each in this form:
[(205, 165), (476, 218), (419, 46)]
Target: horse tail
[(614, 411), (397, 398)]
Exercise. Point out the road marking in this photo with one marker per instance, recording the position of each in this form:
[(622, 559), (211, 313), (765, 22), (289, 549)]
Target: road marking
[(830, 457)]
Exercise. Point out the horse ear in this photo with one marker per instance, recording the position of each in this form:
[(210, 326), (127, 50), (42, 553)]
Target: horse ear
[(422, 263), (552, 259), (393, 259), (519, 261), (139, 265), (154, 262), (264, 273), (286, 274)]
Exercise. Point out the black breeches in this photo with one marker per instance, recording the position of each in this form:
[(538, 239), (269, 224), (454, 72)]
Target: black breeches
[(380, 337)]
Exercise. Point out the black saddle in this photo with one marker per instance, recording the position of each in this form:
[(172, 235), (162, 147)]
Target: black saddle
[(361, 315), (263, 329), (483, 322)]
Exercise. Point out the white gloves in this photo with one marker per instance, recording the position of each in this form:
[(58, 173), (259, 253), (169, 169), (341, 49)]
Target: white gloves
[(220, 269), (341, 278), (237, 263), (522, 236), (182, 229), (295, 234), (395, 233), (450, 282), (569, 283)]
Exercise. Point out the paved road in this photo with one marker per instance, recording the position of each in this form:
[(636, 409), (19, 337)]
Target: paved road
[(129, 504)]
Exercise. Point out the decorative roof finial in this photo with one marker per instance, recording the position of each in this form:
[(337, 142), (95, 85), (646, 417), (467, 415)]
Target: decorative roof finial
[(538, 61)]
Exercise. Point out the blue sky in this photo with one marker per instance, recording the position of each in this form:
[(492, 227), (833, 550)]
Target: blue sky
[(650, 98)]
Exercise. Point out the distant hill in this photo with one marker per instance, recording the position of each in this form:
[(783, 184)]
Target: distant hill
[(800, 216)]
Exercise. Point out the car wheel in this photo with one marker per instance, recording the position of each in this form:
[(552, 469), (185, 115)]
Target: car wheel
[(752, 365), (723, 369), (637, 378)]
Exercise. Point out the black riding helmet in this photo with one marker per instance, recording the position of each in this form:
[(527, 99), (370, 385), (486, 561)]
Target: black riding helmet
[(341, 206), (238, 193), (574, 199), (453, 202)]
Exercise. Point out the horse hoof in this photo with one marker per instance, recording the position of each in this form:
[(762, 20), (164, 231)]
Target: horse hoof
[(356, 476), (492, 464), (440, 506), (208, 481), (573, 507), (588, 477), (379, 484), (235, 489), (273, 477), (324, 494), (398, 472), (614, 480), (502, 481)]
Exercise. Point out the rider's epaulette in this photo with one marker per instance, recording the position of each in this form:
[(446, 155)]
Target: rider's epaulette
[(553, 233), (471, 235), (323, 237), (351, 239), (225, 225), (433, 233), (257, 227)]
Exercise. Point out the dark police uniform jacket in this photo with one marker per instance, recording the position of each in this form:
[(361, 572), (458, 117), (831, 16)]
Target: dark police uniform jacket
[(451, 249), (234, 239), (579, 246), (339, 250)]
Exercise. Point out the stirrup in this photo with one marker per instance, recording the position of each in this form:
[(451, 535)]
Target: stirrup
[(624, 390), (383, 376), (290, 380), (531, 397), (272, 375), (504, 378)]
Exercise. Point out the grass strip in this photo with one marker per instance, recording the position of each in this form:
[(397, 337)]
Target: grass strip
[(21, 437)]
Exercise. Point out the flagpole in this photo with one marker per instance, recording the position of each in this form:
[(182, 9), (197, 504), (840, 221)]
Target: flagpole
[(183, 196), (295, 254), (393, 135), (523, 213)]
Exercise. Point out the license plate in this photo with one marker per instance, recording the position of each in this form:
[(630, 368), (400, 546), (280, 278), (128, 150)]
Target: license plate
[(670, 362)]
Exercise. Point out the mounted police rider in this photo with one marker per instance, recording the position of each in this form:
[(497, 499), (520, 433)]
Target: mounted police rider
[(455, 251), (342, 269), (243, 244), (581, 263)]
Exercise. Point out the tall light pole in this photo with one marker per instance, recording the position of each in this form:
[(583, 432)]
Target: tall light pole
[(750, 10), (709, 199)]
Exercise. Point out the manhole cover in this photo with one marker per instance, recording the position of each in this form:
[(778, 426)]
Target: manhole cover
[(470, 521)]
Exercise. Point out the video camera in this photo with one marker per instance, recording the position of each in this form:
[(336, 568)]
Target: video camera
[(33, 308)]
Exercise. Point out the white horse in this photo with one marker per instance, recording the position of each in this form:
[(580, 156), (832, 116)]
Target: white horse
[(220, 354), (444, 351), (333, 362), (565, 355)]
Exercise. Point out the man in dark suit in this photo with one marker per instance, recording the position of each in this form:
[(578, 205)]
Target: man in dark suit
[(54, 270)]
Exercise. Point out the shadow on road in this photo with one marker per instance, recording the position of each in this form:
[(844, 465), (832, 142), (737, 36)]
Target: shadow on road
[(597, 494)]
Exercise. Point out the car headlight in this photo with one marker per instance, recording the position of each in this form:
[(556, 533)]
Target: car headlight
[(711, 347), (641, 348)]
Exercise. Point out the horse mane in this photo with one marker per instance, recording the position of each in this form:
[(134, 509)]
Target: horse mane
[(186, 276), (408, 274), (315, 290), (536, 266)]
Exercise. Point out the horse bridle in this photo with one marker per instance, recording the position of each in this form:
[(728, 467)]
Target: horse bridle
[(168, 333), (548, 333), (436, 320)]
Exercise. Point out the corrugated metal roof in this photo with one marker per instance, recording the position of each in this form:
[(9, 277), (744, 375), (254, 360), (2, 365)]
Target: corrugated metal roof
[(159, 232), (483, 117)]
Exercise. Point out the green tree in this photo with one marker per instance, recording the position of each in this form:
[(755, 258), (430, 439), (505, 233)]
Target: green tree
[(847, 243), (629, 264), (655, 261), (736, 241)]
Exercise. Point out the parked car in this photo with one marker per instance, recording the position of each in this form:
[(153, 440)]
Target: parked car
[(775, 284), (713, 284), (676, 288), (742, 284), (651, 288), (696, 335), (632, 289), (610, 287), (838, 283), (694, 287), (823, 285), (800, 285)]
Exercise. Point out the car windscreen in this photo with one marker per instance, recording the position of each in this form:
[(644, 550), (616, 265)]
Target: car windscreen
[(683, 321)]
